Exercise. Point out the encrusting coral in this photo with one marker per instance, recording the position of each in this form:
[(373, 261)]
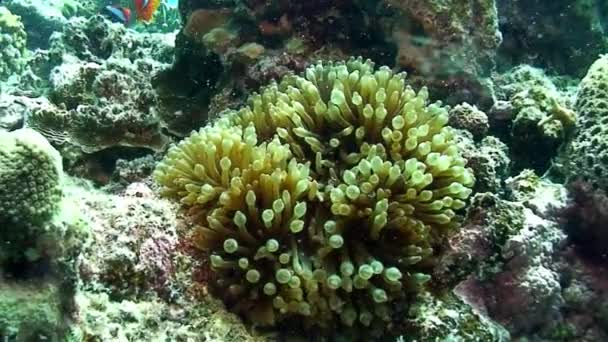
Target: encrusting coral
[(324, 197)]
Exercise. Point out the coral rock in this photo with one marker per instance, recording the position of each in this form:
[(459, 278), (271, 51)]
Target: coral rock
[(12, 40), (586, 156), (466, 116)]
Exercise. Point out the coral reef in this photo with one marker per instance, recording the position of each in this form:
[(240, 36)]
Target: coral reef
[(40, 17), (99, 86), (38, 225), (224, 45), (534, 33), (451, 36), (313, 200), (12, 40), (139, 281), (586, 220), (535, 111), (449, 318), (586, 155), (470, 118), (30, 312), (276, 187)]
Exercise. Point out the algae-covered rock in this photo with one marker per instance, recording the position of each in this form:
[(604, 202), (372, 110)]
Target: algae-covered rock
[(585, 219), (448, 318), (40, 17), (541, 121), (153, 320), (98, 80), (533, 110), (548, 34), (491, 164), (140, 263), (470, 118), (138, 280), (31, 312), (12, 41), (586, 156), (12, 112), (96, 39), (452, 36), (508, 256), (475, 248), (39, 277)]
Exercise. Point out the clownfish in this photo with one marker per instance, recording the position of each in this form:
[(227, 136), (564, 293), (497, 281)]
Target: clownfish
[(145, 9)]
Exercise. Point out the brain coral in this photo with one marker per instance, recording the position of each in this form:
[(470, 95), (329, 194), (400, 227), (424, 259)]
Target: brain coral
[(12, 41), (586, 155), (322, 199)]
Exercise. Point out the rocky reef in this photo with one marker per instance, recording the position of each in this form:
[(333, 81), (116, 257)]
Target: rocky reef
[(533, 109), (535, 33), (233, 47), (586, 156), (96, 77), (515, 254), (143, 286), (13, 39)]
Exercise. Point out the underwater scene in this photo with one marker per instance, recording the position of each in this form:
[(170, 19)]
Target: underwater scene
[(303, 170)]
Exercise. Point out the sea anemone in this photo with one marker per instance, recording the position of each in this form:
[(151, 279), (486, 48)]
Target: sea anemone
[(322, 199)]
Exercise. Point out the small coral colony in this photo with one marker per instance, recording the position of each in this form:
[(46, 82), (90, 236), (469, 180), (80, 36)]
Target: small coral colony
[(249, 173)]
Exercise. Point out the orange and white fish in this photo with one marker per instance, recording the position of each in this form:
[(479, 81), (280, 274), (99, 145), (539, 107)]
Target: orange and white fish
[(144, 9)]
